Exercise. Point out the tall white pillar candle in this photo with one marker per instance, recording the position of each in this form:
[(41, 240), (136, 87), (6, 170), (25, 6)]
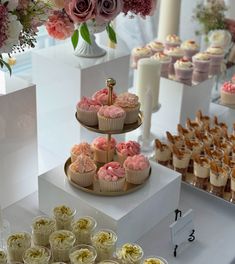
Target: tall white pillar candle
[(148, 77), (147, 115), (169, 18)]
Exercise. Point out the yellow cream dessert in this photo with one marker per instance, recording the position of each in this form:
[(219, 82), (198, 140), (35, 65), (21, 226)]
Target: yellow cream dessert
[(130, 254), (3, 257), (82, 254), (37, 255), (64, 216)]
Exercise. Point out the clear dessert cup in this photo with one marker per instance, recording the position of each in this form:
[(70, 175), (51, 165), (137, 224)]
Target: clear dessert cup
[(181, 164), (154, 260), (108, 261), (163, 156), (201, 172), (130, 253), (82, 254), (3, 256), (37, 255), (64, 216)]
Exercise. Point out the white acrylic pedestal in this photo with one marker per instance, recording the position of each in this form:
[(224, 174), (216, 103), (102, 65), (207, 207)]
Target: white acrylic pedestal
[(62, 79), (130, 216), (18, 140)]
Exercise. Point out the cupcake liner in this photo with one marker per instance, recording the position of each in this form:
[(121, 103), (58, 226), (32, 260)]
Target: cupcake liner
[(201, 66), (111, 123), (171, 68), (216, 59), (137, 176), (199, 76), (89, 118), (131, 114), (82, 179), (112, 186), (184, 74), (101, 155)]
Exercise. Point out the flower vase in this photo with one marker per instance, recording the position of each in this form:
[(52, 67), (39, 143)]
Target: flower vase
[(93, 50)]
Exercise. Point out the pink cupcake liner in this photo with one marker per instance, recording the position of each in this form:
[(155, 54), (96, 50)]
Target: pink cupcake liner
[(199, 76), (89, 118), (137, 176), (183, 73), (201, 66), (112, 186), (131, 114), (214, 69), (82, 179), (216, 59), (111, 123), (189, 53), (101, 155)]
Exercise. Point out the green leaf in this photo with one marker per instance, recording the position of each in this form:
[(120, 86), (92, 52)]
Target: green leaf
[(7, 66), (111, 34), (75, 38), (85, 33)]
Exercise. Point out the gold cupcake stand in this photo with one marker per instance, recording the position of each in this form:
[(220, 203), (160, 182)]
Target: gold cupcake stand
[(94, 188)]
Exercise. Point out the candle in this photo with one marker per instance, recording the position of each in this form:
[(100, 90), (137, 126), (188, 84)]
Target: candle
[(147, 111), (169, 18), (148, 76)]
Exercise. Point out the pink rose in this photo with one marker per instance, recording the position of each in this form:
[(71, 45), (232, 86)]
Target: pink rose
[(59, 26), (80, 10), (107, 10)]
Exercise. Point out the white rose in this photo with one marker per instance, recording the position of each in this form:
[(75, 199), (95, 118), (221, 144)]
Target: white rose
[(220, 38)]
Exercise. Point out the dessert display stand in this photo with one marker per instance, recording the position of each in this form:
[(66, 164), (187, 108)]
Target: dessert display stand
[(62, 79), (18, 139)]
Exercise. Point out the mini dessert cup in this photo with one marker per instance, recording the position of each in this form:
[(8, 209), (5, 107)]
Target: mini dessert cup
[(154, 260), (201, 172), (17, 243), (104, 242), (37, 255), (181, 162), (82, 254), (140, 53), (61, 242), (155, 46), (64, 216), (174, 58), (83, 228), (183, 71), (3, 256), (172, 41), (162, 153), (130, 253), (201, 62), (42, 228), (164, 60), (190, 48)]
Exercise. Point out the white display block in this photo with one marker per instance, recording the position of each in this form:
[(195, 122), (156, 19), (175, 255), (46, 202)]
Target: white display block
[(179, 101), (18, 140), (130, 215), (62, 79)]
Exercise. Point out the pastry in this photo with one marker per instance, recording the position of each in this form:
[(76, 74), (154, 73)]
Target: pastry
[(201, 65), (164, 60), (61, 242), (42, 228), (37, 255), (195, 147), (140, 53), (126, 149), (111, 177), (111, 118), (184, 71), (162, 153), (186, 133), (155, 46), (64, 216), (176, 140), (137, 169), (130, 104), (101, 96), (215, 154), (202, 120), (3, 257), (190, 48), (104, 242), (87, 111), (83, 228), (82, 148), (175, 54), (222, 126), (82, 171), (217, 55), (227, 94), (82, 254), (192, 125), (172, 41), (201, 167), (130, 253), (102, 151)]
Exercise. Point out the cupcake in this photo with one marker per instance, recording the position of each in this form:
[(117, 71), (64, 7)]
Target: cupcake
[(130, 253), (61, 242), (87, 111), (201, 167), (102, 151), (130, 104), (17, 243), (184, 71), (104, 242), (233, 186), (137, 169), (82, 148), (217, 55), (172, 41), (201, 64), (3, 257), (140, 53), (175, 54), (42, 228), (111, 118), (126, 149), (82, 171), (162, 153), (155, 46), (82, 254), (155, 260), (101, 96), (83, 228), (111, 177), (164, 60), (190, 48), (37, 255), (227, 94), (64, 216)]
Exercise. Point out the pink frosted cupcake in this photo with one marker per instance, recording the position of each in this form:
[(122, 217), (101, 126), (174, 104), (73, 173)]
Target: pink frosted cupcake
[(111, 118), (100, 148), (175, 54), (190, 48), (137, 169), (101, 96), (130, 104), (172, 41), (227, 94), (126, 149), (217, 55), (155, 46), (82, 148), (184, 71), (165, 61), (111, 177), (87, 111), (140, 53), (82, 171)]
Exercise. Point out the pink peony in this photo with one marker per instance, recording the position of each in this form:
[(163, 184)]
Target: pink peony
[(139, 7), (80, 10), (107, 10), (59, 26)]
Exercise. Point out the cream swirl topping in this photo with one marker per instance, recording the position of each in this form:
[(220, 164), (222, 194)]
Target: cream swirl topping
[(153, 261), (161, 56), (84, 223), (62, 239), (215, 50), (177, 51), (83, 164), (141, 52), (155, 45), (83, 255), (127, 100), (130, 252), (104, 238), (202, 56), (173, 38), (184, 64), (43, 224), (36, 255), (190, 44), (19, 240), (3, 256), (63, 211)]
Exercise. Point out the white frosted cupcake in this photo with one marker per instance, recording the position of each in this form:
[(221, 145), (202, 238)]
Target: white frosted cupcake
[(64, 216), (127, 149), (104, 242), (17, 243), (184, 71), (83, 228), (42, 228), (82, 148), (217, 55), (140, 53), (61, 242), (37, 255), (155, 46), (82, 254), (172, 41), (175, 54), (190, 48), (165, 61), (3, 257), (130, 253)]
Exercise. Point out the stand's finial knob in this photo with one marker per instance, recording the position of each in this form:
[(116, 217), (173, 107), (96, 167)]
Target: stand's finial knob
[(110, 82)]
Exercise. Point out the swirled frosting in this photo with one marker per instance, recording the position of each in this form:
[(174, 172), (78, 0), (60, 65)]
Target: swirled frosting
[(82, 148), (129, 148), (83, 223), (19, 240), (130, 253), (153, 261), (62, 239), (101, 96), (36, 255), (102, 143), (176, 51), (228, 87), (190, 45), (202, 56), (183, 64), (43, 224), (111, 111), (129, 100), (83, 164), (173, 38), (63, 211), (3, 256), (83, 255), (155, 45), (89, 104), (111, 171), (136, 162), (161, 56), (104, 238), (215, 50), (142, 52)]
